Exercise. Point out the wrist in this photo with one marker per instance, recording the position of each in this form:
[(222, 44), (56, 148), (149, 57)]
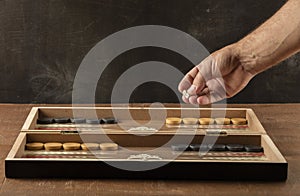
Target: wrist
[(241, 57), (247, 57)]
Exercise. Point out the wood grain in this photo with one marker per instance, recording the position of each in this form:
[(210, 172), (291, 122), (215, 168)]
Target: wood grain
[(281, 121)]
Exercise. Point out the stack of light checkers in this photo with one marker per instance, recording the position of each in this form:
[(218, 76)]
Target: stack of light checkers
[(109, 120), (205, 121), (217, 147), (71, 146)]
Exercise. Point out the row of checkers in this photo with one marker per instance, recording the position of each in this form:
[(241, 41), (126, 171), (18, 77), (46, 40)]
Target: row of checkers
[(71, 146), (109, 120), (206, 121), (217, 147), (169, 121)]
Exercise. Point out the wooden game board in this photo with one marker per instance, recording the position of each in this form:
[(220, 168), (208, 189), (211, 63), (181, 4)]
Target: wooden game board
[(188, 164)]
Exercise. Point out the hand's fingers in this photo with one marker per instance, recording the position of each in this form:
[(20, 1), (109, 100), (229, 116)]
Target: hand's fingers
[(198, 83), (205, 91), (217, 92), (209, 98), (207, 70), (193, 99), (186, 100), (195, 81), (187, 81), (204, 100)]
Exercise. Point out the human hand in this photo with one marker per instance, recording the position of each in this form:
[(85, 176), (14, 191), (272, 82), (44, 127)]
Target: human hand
[(221, 75)]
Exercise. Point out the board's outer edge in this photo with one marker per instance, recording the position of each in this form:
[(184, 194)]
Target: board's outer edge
[(173, 170), (33, 112)]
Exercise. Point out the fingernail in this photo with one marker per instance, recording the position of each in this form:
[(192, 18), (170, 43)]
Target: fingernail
[(191, 89)]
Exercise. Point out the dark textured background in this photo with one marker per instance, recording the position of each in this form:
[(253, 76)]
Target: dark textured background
[(44, 41)]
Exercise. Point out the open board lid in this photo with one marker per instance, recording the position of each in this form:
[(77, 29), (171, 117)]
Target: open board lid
[(143, 120)]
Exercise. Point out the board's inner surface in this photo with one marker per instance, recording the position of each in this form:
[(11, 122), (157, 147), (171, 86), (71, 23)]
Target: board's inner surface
[(145, 140), (132, 118), (134, 145), (163, 153)]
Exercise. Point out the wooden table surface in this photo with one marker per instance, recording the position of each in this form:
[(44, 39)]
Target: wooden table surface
[(281, 121)]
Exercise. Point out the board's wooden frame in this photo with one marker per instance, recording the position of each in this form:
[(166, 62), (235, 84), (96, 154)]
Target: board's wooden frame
[(274, 169)]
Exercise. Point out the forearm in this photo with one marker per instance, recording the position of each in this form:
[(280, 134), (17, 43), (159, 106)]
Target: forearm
[(275, 40)]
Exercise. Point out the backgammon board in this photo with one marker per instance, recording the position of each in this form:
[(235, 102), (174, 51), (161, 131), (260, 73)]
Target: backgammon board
[(144, 142)]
